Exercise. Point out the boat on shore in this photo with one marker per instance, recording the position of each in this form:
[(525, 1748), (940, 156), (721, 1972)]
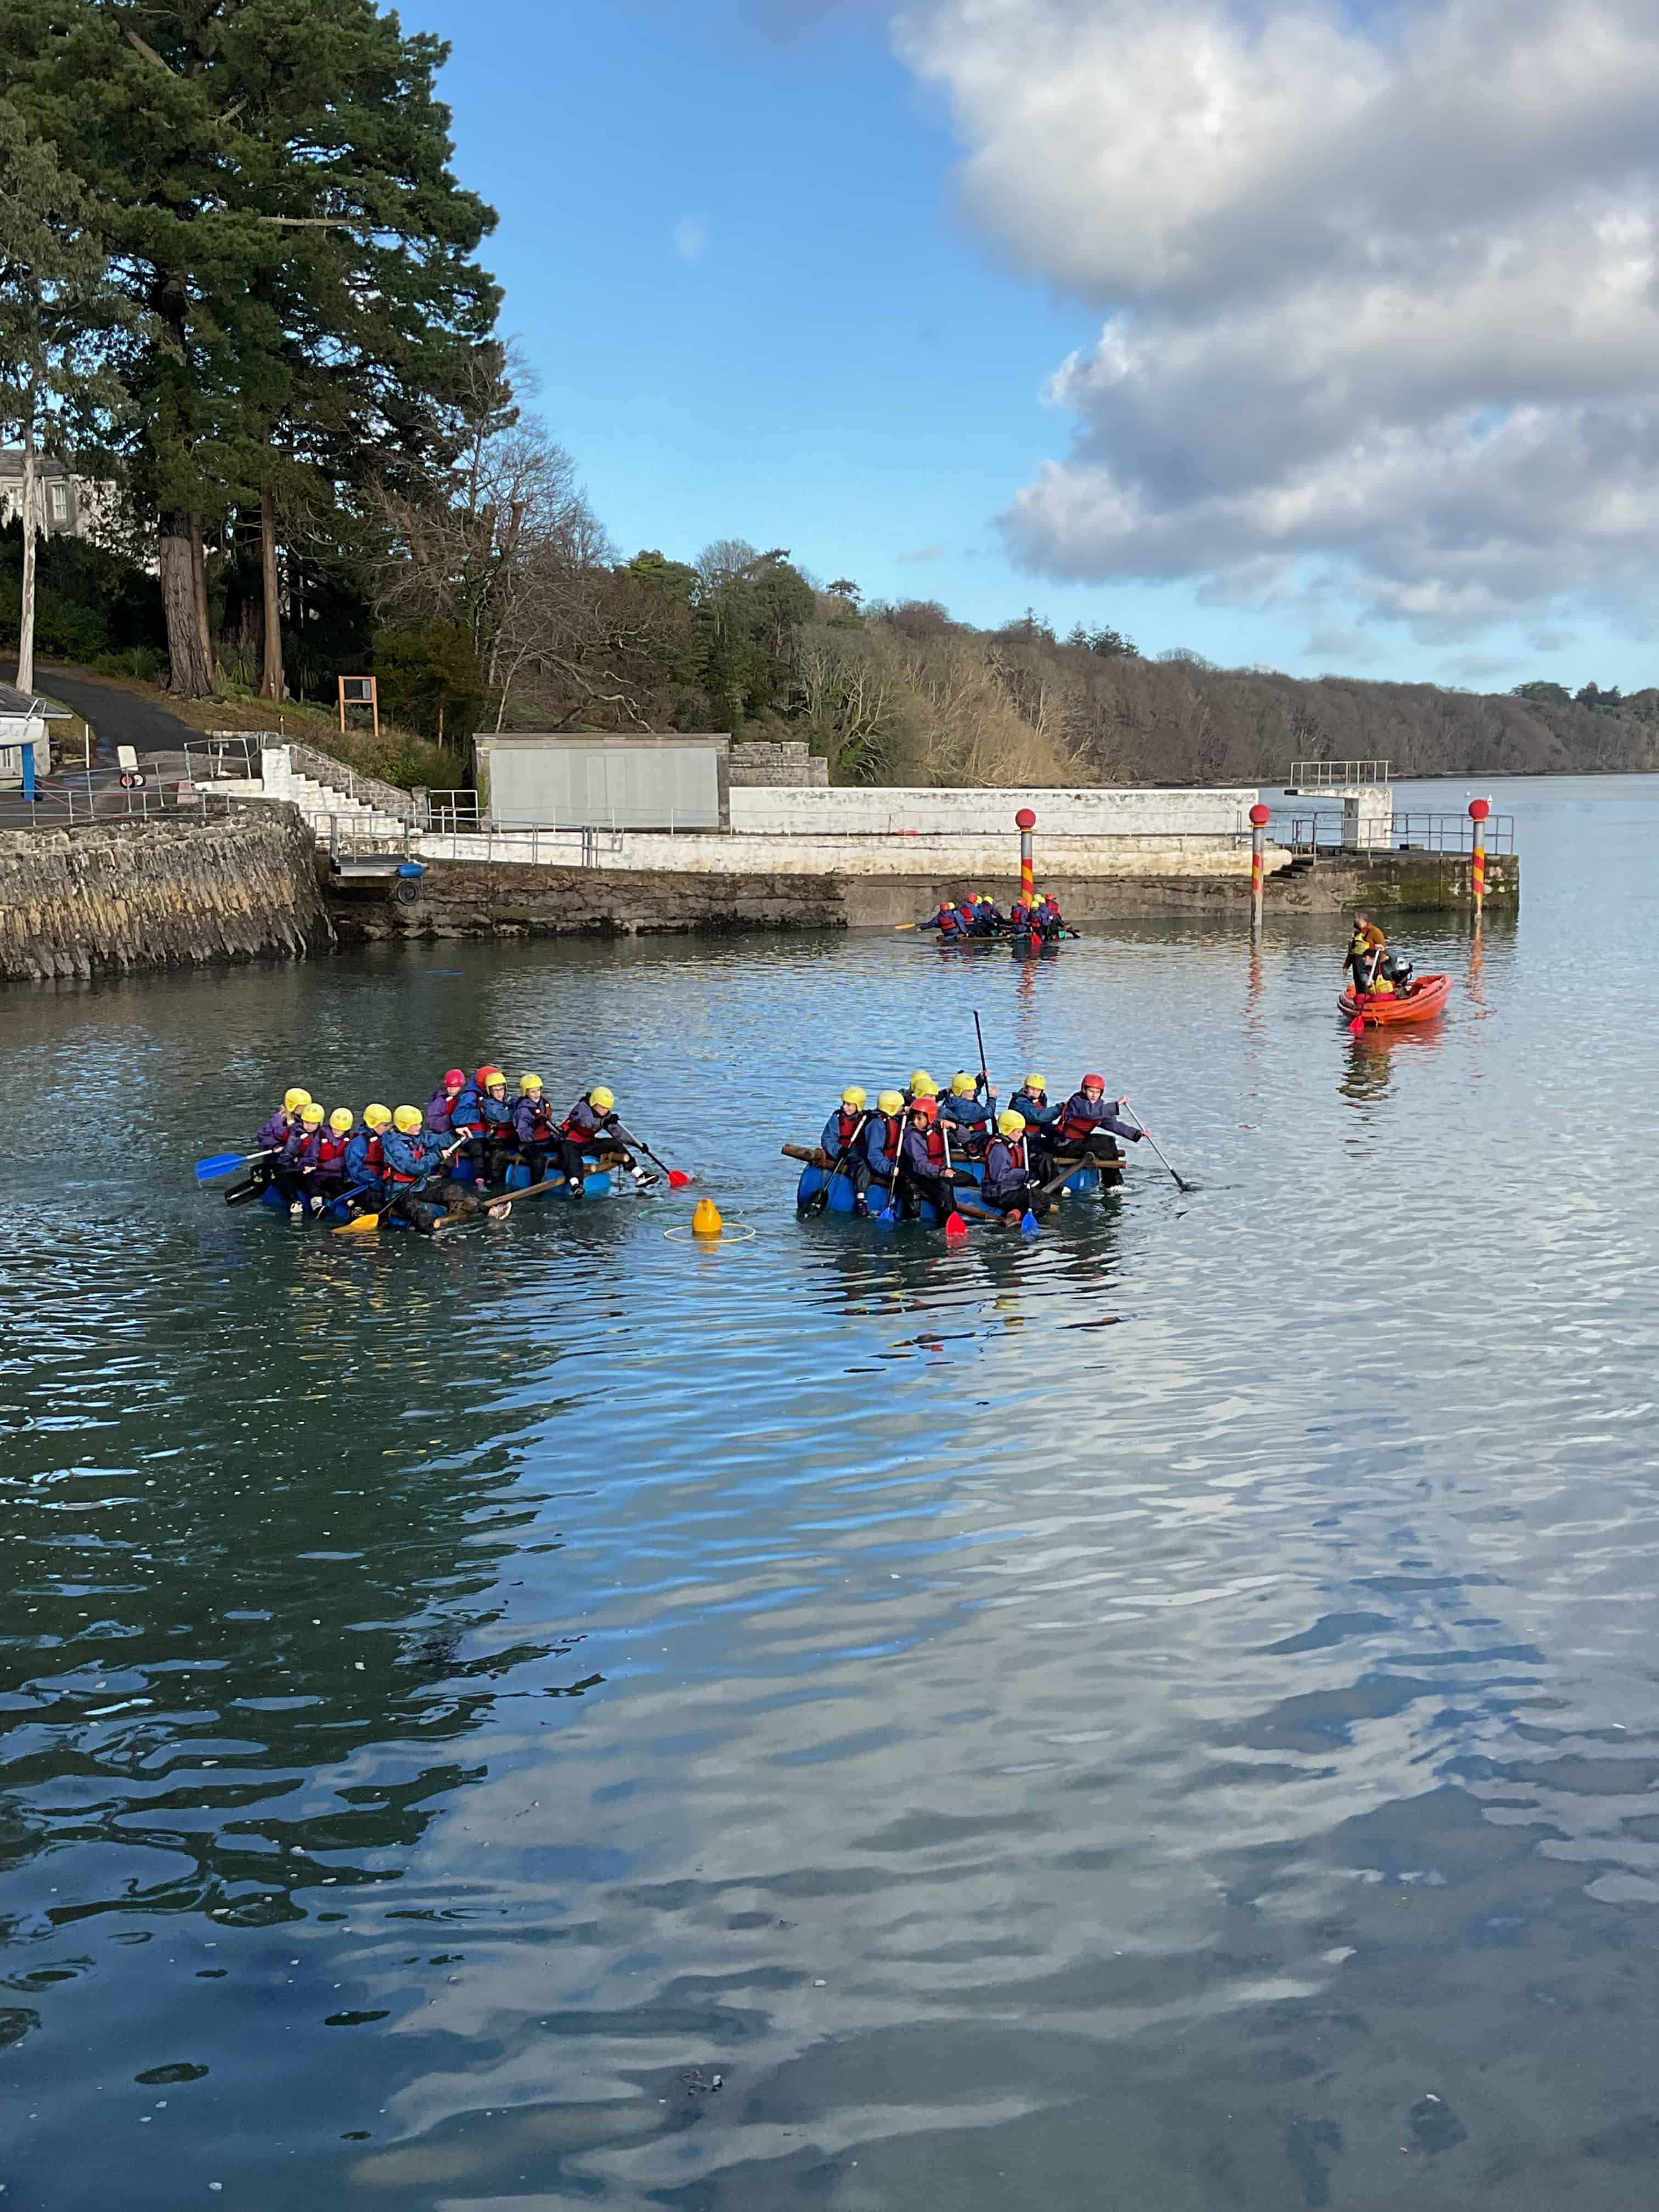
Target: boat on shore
[(1426, 998)]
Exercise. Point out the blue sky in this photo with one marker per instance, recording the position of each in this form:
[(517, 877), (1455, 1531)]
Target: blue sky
[(734, 243)]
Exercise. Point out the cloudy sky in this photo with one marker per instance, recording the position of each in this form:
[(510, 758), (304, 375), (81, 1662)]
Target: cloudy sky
[(1317, 337)]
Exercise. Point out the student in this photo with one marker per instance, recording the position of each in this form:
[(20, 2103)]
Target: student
[(500, 1138), (1050, 922), (533, 1125), (442, 1105), (466, 1123), (921, 1085), (924, 1162), (950, 922), (1031, 1103), (365, 1157), (967, 1110), (328, 1175), (881, 1141), (1010, 1183), (840, 1141), (591, 1126), (1087, 1124), (420, 1195), (299, 1158), (275, 1133)]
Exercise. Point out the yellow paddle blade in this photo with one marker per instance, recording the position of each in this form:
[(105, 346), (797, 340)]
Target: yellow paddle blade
[(360, 1226)]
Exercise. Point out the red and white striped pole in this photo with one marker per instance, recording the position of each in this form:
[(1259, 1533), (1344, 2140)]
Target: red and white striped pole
[(1026, 822), (1260, 817), (1478, 809)]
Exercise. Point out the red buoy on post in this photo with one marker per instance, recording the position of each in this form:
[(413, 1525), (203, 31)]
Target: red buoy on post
[(1026, 822), (1478, 809), (1260, 817)]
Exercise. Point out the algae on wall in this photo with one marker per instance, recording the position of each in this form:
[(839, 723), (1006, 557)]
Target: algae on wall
[(121, 897)]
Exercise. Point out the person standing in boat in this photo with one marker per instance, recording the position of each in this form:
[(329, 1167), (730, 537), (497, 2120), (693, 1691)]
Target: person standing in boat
[(967, 1110), (1087, 1124), (1010, 1184), (1363, 959), (839, 1144), (924, 1162), (881, 1139)]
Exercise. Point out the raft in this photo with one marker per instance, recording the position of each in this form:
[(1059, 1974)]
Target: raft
[(599, 1183), (1083, 1182), (1424, 1000)]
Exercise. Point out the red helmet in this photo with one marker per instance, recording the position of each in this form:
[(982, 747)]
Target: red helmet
[(927, 1109), (482, 1079), (1092, 1083), (454, 1079)]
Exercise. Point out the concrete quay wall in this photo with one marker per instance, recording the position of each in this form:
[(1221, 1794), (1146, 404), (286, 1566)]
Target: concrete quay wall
[(121, 897), (884, 810), (462, 898)]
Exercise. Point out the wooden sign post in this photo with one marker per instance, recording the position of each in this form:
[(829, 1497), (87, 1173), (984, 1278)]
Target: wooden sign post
[(359, 691)]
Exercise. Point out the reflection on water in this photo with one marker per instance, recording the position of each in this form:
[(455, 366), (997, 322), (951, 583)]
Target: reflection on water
[(1158, 1714)]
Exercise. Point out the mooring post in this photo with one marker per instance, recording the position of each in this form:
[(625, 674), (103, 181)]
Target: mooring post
[(1026, 822), (1478, 809), (1260, 817)]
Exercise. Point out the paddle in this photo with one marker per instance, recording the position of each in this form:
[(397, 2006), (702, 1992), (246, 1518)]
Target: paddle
[(820, 1199), (1181, 1183), (221, 1163), (678, 1179)]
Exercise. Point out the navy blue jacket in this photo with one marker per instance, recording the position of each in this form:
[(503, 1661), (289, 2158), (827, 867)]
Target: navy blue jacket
[(466, 1114), (915, 1154), (881, 1145), (497, 1114), (964, 1112), (836, 1138), (1006, 1167), (358, 1166), (1042, 1116), (410, 1160)]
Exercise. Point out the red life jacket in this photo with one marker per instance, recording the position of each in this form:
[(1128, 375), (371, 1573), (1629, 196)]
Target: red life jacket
[(845, 1127), (330, 1149), (373, 1158), (890, 1129), (1015, 1148), (934, 1138), (1078, 1121)]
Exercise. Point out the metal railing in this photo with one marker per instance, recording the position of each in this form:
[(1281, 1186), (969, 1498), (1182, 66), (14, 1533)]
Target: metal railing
[(548, 847), (451, 809), (1339, 775), (1407, 833), (87, 801), (227, 756)]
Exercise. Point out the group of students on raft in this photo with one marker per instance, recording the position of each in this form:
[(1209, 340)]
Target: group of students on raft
[(906, 1146), (401, 1160), (975, 915)]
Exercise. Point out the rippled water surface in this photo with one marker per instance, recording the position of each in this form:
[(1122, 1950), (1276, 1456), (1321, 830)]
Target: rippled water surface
[(1158, 1719)]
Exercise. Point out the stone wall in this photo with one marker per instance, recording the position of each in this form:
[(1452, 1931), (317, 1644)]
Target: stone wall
[(1395, 883), (124, 896), (886, 811), (460, 898), (761, 764)]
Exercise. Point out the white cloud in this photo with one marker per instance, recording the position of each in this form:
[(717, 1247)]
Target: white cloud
[(691, 237), (1380, 298)]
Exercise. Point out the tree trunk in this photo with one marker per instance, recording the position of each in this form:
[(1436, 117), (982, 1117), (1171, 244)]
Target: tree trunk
[(271, 685), (191, 676), (198, 584), (25, 617)]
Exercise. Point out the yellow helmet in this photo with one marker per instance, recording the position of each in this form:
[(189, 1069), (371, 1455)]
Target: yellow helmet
[(407, 1120), (963, 1085), (1036, 1083), (890, 1102), (377, 1117), (530, 1083), (600, 1096), (342, 1118), (311, 1112), (922, 1085), (854, 1096), (1010, 1123), (294, 1100)]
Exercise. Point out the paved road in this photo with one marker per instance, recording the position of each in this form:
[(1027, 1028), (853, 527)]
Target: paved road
[(118, 717)]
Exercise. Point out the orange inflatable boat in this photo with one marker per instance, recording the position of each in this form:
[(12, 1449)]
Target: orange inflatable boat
[(1425, 997)]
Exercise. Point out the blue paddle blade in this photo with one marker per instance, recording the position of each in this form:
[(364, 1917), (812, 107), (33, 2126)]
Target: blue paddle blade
[(220, 1163), (1029, 1226)]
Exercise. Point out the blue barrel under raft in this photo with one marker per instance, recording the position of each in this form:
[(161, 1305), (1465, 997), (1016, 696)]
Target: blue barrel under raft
[(969, 1201), (599, 1183)]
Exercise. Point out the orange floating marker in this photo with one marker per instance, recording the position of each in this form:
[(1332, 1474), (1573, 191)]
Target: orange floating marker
[(706, 1221)]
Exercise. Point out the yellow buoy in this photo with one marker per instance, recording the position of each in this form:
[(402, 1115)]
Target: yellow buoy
[(706, 1221)]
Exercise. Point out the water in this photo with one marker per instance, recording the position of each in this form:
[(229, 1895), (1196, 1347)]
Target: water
[(1158, 1717)]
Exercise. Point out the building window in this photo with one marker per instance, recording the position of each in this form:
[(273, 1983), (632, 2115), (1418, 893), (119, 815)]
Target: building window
[(59, 496)]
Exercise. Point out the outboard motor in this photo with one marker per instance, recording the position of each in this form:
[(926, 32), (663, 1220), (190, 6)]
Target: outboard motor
[(1400, 972)]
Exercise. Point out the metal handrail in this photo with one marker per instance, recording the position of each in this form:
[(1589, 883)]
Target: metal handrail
[(1417, 832), (208, 757), (1337, 775)]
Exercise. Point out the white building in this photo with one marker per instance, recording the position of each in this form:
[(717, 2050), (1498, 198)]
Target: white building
[(69, 505)]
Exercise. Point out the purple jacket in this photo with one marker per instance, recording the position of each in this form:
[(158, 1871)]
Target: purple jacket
[(438, 1111), (533, 1120), (274, 1135)]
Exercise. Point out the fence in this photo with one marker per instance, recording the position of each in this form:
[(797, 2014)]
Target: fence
[(1407, 833), (1339, 775), (225, 756), (99, 797), (384, 837)]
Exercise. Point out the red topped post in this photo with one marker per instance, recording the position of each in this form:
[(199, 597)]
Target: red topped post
[(1478, 809), (1026, 822), (1260, 817)]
